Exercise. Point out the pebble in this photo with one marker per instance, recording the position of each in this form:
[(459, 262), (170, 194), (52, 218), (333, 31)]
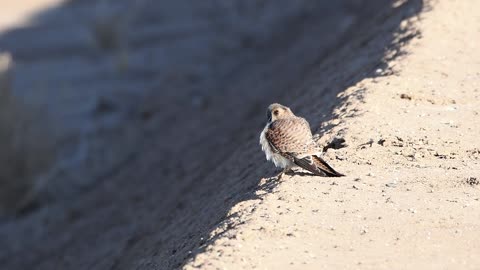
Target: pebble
[(392, 185)]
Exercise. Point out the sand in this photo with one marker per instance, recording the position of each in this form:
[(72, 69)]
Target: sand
[(391, 89)]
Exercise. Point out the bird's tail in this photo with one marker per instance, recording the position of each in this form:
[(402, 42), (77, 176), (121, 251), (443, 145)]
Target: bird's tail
[(317, 166)]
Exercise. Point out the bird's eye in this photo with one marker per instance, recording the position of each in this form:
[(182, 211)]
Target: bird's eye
[(275, 112)]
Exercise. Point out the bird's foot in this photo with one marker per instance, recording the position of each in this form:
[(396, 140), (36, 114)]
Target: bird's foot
[(286, 171)]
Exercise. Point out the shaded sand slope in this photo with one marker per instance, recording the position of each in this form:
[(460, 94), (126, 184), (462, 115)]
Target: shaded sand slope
[(411, 153)]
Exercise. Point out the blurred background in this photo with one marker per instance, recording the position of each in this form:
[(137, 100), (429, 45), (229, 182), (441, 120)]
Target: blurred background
[(115, 113)]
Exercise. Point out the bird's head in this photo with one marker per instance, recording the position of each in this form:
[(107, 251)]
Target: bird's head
[(277, 111)]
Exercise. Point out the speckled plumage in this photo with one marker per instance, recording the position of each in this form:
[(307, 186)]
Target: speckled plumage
[(291, 135), (287, 140)]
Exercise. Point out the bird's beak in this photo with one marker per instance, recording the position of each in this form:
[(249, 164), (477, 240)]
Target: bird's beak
[(269, 116)]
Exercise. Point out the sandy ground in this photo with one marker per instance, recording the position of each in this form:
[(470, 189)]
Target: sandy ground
[(411, 197), (391, 87)]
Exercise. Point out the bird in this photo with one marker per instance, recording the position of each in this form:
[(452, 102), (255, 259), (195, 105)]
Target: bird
[(288, 142)]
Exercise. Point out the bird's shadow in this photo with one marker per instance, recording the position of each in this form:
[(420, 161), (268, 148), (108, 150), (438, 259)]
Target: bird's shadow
[(300, 173), (270, 183)]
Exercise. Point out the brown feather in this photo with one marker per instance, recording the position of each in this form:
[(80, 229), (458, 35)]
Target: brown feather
[(291, 135)]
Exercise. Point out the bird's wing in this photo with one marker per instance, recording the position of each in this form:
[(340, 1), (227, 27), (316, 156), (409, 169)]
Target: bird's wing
[(291, 135)]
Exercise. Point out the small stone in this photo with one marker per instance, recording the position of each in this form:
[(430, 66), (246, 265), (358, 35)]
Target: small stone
[(472, 181), (391, 185)]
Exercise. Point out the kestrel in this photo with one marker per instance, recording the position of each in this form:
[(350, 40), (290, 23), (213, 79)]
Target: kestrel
[(287, 140)]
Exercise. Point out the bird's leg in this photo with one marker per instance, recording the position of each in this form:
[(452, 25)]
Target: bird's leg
[(292, 171), (285, 171)]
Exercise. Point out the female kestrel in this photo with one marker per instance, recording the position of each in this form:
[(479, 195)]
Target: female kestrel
[(287, 140)]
